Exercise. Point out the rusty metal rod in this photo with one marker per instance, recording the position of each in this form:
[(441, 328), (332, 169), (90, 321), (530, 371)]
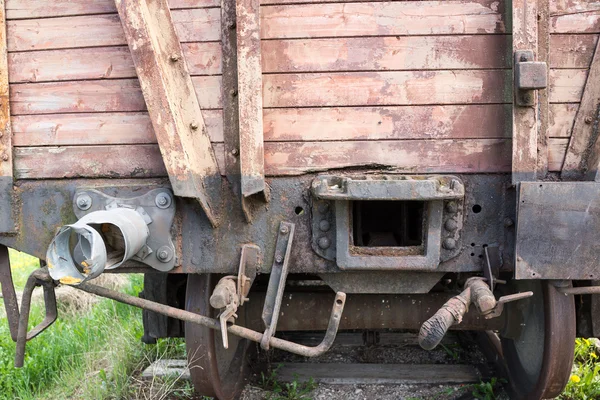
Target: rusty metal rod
[(579, 290), (8, 293), (334, 320)]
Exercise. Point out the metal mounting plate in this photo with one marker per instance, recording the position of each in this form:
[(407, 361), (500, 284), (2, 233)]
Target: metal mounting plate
[(159, 218), (557, 230)]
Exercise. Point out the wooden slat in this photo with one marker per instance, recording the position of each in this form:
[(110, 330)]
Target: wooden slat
[(559, 7), (582, 137), (562, 117), (557, 148), (250, 99), (387, 123), (6, 166), (525, 118), (586, 22), (23, 9), (172, 104), (543, 55), (103, 30), (376, 19), (387, 53), (385, 88), (116, 95), (566, 85), (96, 129), (572, 51), (101, 63)]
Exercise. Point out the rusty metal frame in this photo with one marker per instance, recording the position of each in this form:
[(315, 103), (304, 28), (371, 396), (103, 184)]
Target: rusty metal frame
[(7, 220), (9, 294), (172, 103)]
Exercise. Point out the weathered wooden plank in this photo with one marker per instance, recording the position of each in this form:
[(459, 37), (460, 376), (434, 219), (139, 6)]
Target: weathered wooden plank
[(172, 104), (387, 123), (414, 156), (582, 137), (557, 148), (24, 9), (250, 100), (387, 53), (192, 25), (377, 374), (576, 22), (96, 129), (562, 118), (385, 88), (376, 19), (7, 221), (543, 54), (566, 85), (525, 118), (572, 51), (101, 63), (115, 95), (559, 7)]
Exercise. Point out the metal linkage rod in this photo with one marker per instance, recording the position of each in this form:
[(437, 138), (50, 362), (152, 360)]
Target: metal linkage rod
[(579, 290), (332, 328)]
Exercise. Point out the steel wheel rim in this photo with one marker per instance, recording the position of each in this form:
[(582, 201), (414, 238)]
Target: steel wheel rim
[(214, 371), (547, 375)]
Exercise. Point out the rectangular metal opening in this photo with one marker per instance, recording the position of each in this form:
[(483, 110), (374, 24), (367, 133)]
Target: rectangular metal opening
[(388, 224)]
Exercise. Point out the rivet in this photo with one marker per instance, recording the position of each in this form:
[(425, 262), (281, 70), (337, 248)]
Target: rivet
[(451, 225), (588, 120), (5, 157), (451, 207), (508, 222), (194, 125), (174, 58), (324, 225), (233, 92), (324, 243), (449, 243), (279, 258), (284, 230), (323, 208), (234, 152)]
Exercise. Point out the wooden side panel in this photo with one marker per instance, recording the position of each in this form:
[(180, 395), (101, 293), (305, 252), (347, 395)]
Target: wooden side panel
[(6, 167)]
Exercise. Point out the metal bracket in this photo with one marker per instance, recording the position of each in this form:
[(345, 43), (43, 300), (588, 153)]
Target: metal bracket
[(529, 75), (250, 262), (8, 293), (279, 273), (157, 207)]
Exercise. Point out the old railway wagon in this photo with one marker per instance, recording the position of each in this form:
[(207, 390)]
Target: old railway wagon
[(284, 165)]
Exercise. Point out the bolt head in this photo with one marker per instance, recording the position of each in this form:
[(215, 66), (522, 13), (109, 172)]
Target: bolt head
[(194, 125), (162, 200), (508, 222), (588, 120), (163, 255), (174, 58), (284, 230), (5, 157), (449, 244), (234, 152), (279, 258), (84, 202), (324, 243)]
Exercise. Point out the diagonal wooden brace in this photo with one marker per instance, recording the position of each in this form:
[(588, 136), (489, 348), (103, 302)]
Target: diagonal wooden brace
[(172, 103)]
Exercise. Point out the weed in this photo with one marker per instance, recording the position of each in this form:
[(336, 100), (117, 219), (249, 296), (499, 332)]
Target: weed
[(485, 390), (585, 379), (452, 350), (294, 390)]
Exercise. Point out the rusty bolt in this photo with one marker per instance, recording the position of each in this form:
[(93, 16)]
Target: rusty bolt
[(508, 222), (5, 157), (194, 125), (234, 152), (324, 243), (324, 225), (451, 225), (174, 57), (233, 92), (451, 207), (284, 230), (279, 258), (84, 202), (449, 243), (588, 120)]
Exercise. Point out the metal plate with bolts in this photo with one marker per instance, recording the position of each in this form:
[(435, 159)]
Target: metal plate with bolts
[(157, 207), (557, 230)]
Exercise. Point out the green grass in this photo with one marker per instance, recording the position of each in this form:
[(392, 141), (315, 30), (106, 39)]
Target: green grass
[(92, 355), (585, 379)]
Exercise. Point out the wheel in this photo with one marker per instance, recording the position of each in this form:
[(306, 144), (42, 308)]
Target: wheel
[(538, 341), (214, 371)]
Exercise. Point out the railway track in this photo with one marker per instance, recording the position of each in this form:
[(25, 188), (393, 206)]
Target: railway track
[(372, 365)]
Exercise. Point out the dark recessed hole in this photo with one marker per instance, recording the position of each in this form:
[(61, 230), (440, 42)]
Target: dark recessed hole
[(476, 208), (472, 244), (388, 223), (299, 210), (484, 246), (481, 256), (472, 254), (339, 301)]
